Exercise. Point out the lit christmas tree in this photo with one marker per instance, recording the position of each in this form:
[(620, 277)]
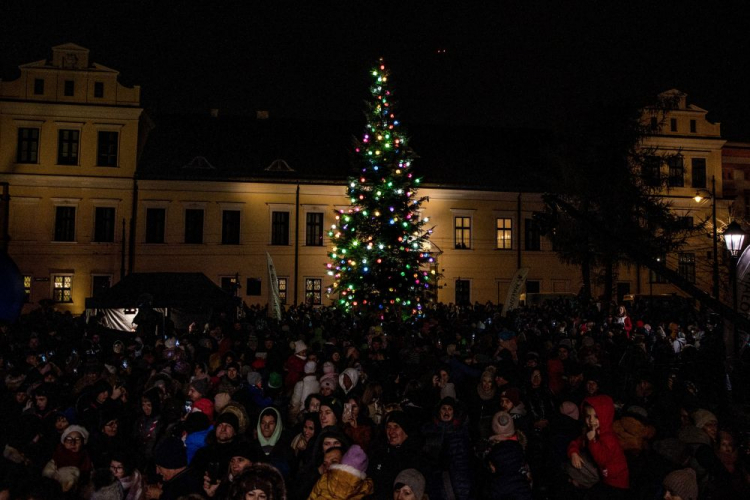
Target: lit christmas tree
[(379, 254)]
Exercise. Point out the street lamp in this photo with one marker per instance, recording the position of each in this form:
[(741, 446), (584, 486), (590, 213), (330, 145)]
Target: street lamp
[(700, 196), (734, 237)]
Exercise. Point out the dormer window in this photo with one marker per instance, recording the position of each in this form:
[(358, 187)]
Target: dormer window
[(99, 89), (38, 86), (69, 88)]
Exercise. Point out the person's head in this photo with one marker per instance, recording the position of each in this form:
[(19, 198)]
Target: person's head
[(170, 457), (310, 427), (535, 378), (61, 422), (74, 438), (312, 403), (268, 424), (590, 418), (101, 391), (707, 422), (327, 387), (111, 427), (409, 485), (232, 372), (332, 456), (226, 427), (198, 389), (681, 485), (151, 402), (347, 381), (509, 398), (121, 464), (330, 442), (726, 442), (242, 458), (447, 409), (357, 406), (592, 387), (487, 381), (258, 482), (330, 412), (397, 428), (444, 376)]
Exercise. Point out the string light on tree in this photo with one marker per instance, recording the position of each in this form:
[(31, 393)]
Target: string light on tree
[(378, 239)]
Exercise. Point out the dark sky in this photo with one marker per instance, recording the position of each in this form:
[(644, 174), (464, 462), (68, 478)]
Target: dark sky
[(504, 63)]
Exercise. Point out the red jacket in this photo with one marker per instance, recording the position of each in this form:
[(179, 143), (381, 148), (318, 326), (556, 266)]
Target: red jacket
[(605, 449)]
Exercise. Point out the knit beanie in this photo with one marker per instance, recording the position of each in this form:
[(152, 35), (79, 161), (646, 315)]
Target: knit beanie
[(75, 428), (299, 346), (513, 394), (570, 409), (242, 449), (200, 386), (413, 479), (703, 417), (682, 483), (204, 405), (274, 380), (328, 383), (334, 404), (355, 457), (253, 378), (196, 421), (502, 424), (403, 420), (310, 367), (171, 454), (228, 418)]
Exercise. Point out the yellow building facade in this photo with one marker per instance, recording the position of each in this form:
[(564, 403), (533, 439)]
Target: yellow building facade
[(85, 208)]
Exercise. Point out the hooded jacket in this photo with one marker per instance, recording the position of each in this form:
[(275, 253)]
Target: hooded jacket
[(342, 482), (275, 450), (605, 448), (353, 375)]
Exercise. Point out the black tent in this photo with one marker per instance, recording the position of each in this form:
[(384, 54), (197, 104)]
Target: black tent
[(182, 297)]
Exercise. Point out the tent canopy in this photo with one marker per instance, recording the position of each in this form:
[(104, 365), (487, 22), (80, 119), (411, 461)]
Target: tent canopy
[(179, 290)]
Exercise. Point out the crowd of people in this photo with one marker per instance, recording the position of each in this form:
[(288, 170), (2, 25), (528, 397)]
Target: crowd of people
[(549, 402)]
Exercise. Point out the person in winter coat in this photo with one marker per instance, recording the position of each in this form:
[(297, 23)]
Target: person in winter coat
[(70, 465), (484, 404), (509, 474), (356, 423), (294, 366), (302, 389), (447, 448), (348, 381), (345, 481), (601, 442), (273, 443), (124, 469), (401, 449), (510, 401)]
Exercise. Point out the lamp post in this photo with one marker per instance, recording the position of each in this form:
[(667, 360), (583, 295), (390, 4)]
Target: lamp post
[(698, 198), (734, 237)]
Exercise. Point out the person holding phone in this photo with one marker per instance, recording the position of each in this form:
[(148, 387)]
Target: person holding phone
[(357, 424)]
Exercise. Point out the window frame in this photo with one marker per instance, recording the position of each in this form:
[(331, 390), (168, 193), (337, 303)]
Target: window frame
[(99, 90), (94, 276), (65, 279), (696, 165), (39, 86), (24, 152), (283, 285), (314, 229), (460, 232), (676, 175), (280, 228), (686, 266), (467, 293), (506, 231), (190, 226), (110, 157), (28, 280), (95, 233), (73, 144), (310, 291), (532, 234), (227, 237), (69, 88), (146, 232), (69, 235)]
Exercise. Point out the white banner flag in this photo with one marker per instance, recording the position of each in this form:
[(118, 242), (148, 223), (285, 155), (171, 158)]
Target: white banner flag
[(274, 300), (514, 290)]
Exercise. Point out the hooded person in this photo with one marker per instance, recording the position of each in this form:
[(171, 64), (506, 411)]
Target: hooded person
[(198, 393), (509, 474), (448, 450), (273, 444), (308, 385), (483, 405), (295, 365), (400, 448), (347, 480), (348, 380)]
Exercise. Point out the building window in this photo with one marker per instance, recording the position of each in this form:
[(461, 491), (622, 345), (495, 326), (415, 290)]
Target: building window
[(104, 224), (463, 292), (533, 235), (67, 147), (99, 89), (65, 223), (194, 225), (69, 88), (100, 283), (651, 171), (27, 288), (462, 232), (533, 286), (673, 124), (253, 287), (279, 228), (693, 126), (504, 233), (155, 225), (654, 124), (676, 171), (685, 222), (314, 234), (230, 227), (686, 266), (283, 288), (106, 153), (313, 288), (28, 145), (656, 277), (229, 284), (38, 86), (62, 290), (698, 172)]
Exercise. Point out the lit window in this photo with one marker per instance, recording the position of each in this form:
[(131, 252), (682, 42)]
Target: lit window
[(27, 288), (63, 287), (283, 283), (462, 232), (313, 288), (504, 233)]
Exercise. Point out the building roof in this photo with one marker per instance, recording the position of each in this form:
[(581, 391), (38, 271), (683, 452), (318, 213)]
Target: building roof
[(240, 148)]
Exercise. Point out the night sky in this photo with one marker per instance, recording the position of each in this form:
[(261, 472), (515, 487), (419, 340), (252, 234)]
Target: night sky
[(499, 63)]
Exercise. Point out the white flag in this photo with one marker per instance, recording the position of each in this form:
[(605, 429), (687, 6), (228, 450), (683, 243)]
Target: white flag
[(274, 300), (514, 290)]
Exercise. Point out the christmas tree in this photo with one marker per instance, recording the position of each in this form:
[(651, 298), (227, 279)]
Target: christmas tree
[(379, 254)]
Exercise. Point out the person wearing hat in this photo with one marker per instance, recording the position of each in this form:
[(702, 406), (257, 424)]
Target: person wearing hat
[(259, 481), (219, 443), (179, 479), (242, 458), (409, 484), (509, 474), (308, 385), (330, 412), (295, 365), (273, 442), (448, 450), (71, 463), (681, 485), (400, 449), (197, 393), (347, 479), (510, 401)]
